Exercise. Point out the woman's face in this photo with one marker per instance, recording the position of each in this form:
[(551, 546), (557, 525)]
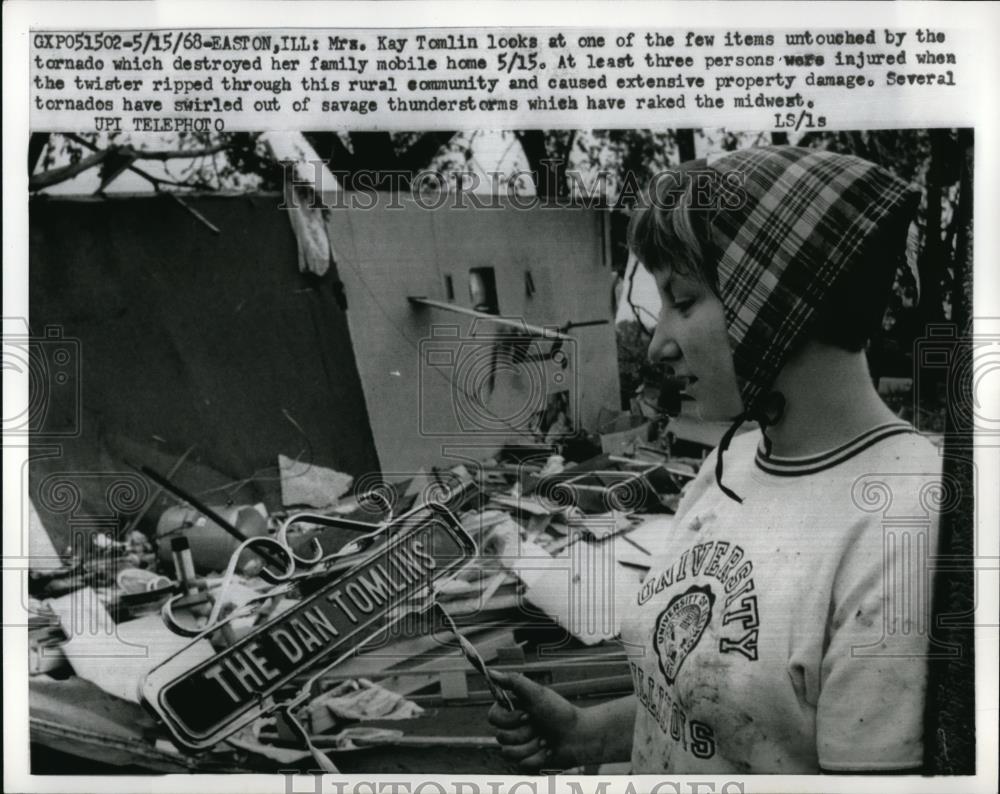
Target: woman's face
[(691, 339)]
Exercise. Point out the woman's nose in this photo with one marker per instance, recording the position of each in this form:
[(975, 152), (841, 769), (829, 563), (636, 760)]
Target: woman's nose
[(662, 347)]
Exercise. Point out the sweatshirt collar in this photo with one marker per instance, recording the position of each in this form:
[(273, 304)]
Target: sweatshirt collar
[(811, 464)]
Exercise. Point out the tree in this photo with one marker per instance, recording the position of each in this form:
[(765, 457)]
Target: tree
[(387, 159), (234, 161)]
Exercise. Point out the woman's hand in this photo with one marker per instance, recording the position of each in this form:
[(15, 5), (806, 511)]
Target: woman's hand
[(544, 732)]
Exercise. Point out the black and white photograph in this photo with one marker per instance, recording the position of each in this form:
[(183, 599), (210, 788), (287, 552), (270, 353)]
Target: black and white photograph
[(462, 458)]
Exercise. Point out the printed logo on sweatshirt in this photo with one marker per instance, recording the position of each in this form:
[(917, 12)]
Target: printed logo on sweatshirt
[(680, 626), (726, 564)]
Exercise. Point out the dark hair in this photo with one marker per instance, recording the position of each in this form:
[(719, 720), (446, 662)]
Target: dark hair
[(672, 231)]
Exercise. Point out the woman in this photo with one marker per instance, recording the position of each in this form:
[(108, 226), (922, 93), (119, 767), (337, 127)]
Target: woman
[(784, 627)]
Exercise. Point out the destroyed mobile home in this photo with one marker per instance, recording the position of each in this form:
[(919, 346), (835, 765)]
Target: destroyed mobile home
[(303, 496)]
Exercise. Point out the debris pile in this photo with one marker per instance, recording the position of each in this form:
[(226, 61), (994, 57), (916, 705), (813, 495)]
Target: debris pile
[(222, 594)]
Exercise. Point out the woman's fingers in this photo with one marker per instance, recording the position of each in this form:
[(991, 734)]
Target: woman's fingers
[(539, 760), (502, 718), (543, 716), (522, 753), (520, 735)]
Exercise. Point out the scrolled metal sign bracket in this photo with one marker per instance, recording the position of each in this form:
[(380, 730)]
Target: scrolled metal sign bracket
[(395, 572)]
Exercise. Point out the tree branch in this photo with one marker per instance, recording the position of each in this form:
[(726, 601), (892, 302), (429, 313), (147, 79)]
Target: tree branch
[(154, 180), (179, 154), (419, 155), (36, 147), (57, 175)]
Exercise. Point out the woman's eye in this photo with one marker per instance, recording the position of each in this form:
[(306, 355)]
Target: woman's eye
[(683, 304)]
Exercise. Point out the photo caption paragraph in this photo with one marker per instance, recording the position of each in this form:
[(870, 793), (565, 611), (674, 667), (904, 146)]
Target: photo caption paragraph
[(232, 80)]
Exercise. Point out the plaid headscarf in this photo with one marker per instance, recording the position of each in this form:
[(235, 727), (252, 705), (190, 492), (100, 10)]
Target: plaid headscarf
[(788, 223), (801, 222)]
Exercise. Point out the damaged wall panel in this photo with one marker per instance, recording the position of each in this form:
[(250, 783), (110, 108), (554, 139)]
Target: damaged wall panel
[(187, 338), (547, 267)]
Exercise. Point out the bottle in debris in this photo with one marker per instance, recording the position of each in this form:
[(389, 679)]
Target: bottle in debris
[(194, 592)]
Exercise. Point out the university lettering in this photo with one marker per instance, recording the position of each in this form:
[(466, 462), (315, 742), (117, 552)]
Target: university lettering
[(704, 559), (726, 564)]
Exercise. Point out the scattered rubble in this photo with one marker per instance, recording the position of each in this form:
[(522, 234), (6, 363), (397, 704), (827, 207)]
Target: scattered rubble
[(561, 546)]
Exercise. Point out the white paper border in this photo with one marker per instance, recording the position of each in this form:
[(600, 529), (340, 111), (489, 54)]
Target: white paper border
[(984, 18)]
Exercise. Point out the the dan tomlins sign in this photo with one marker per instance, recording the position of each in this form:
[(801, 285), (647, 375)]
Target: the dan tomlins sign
[(203, 701)]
